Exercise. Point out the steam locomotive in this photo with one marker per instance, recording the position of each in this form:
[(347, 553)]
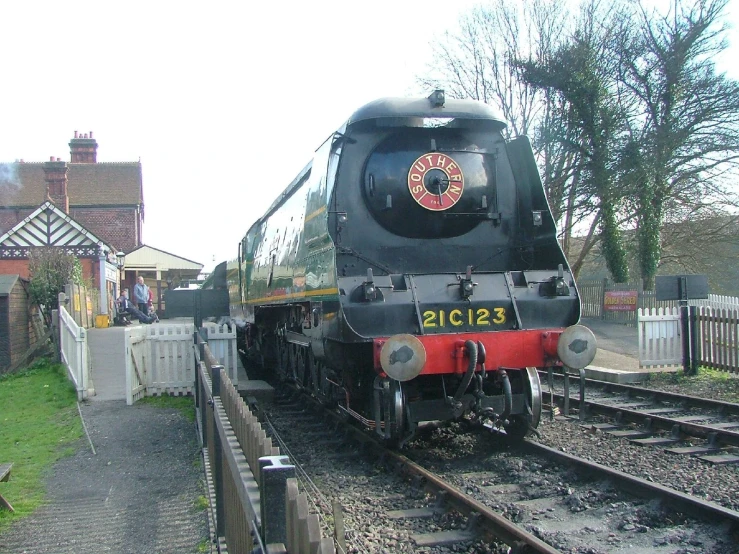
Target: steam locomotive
[(411, 273)]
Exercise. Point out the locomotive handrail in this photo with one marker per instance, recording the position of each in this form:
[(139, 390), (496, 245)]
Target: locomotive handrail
[(421, 330)]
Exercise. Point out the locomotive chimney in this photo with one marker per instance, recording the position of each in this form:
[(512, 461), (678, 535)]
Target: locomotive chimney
[(83, 149)]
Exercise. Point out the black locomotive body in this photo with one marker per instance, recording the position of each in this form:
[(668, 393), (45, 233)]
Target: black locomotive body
[(411, 272)]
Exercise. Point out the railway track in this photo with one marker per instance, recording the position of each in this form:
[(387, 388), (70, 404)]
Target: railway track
[(655, 418), (486, 497)]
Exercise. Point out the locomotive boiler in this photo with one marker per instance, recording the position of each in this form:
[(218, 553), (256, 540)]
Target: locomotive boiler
[(411, 273)]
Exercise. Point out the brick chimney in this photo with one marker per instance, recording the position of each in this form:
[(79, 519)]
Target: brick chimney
[(55, 171), (83, 148)]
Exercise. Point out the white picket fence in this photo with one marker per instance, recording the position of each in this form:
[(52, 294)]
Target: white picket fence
[(73, 347), (159, 359), (660, 337), (718, 302), (222, 343)]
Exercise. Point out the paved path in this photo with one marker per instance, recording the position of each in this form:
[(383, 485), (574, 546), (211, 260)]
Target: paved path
[(137, 495), (618, 345)]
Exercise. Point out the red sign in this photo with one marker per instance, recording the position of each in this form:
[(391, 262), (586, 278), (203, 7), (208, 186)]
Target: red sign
[(435, 181), (620, 301)]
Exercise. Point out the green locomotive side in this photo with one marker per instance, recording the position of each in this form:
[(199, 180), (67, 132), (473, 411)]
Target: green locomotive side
[(288, 255)]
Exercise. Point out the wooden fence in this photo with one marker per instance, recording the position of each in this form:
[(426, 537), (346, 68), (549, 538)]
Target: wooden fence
[(715, 334), (718, 338), (253, 492), (73, 352), (82, 305), (593, 296)]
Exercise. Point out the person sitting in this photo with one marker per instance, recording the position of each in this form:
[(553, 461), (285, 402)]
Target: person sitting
[(127, 306)]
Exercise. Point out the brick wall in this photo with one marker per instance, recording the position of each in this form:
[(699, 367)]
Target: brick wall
[(90, 269), (115, 226), (12, 267)]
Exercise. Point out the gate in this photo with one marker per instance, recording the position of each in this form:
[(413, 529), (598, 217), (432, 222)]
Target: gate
[(137, 364), (660, 337)]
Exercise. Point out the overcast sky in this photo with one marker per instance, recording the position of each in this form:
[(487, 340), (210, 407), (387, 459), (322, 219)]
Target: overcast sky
[(223, 102)]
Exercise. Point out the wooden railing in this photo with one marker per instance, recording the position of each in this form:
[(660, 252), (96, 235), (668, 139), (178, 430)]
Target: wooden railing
[(252, 486)]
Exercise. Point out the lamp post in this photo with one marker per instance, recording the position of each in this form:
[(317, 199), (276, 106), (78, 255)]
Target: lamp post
[(121, 257)]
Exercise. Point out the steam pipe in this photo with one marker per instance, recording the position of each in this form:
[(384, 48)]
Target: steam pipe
[(507, 394), (472, 351), (376, 405)]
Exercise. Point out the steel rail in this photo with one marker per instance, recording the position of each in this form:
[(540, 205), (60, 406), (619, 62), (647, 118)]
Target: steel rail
[(497, 525), (704, 431), (701, 509), (488, 522), (657, 395)]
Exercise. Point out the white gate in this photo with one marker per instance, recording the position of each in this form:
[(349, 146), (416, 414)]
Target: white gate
[(222, 343), (160, 358), (73, 346), (138, 364), (172, 358), (660, 337)]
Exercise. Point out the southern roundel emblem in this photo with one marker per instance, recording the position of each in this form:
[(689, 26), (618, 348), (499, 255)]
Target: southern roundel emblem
[(435, 181)]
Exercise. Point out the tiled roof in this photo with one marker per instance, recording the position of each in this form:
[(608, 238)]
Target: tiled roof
[(49, 226), (91, 184)]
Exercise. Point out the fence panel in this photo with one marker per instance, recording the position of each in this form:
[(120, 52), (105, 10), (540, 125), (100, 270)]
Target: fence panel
[(719, 338), (222, 343), (73, 346), (660, 337), (591, 297), (172, 363)]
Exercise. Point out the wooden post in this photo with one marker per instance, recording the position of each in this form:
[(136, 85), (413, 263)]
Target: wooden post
[(603, 298)]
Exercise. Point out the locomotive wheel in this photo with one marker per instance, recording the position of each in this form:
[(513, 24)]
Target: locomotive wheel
[(395, 414), (282, 357), (519, 425), (297, 364), (317, 374)]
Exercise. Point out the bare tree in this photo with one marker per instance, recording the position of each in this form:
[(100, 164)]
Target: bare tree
[(687, 118), (582, 75), (483, 61)]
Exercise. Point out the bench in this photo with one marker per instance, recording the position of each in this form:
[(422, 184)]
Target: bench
[(4, 476), (121, 317)]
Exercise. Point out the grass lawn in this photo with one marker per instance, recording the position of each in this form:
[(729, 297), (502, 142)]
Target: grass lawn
[(39, 424)]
